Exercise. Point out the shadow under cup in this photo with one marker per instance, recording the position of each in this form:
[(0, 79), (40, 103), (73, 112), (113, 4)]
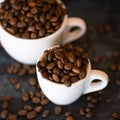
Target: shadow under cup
[(60, 94)]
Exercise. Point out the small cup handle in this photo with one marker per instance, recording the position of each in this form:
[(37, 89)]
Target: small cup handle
[(91, 86), (74, 22)]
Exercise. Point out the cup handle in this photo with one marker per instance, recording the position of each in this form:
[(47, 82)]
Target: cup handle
[(74, 22), (91, 86)]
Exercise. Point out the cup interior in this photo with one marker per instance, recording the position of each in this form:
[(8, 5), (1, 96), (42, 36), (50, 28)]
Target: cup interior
[(61, 84), (88, 68), (57, 31)]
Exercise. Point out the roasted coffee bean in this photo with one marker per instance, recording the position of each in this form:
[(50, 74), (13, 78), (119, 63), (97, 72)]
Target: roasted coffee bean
[(56, 78), (78, 62), (45, 113), (45, 75), (65, 78), (68, 66), (25, 96), (76, 70), (31, 115), (35, 100), (68, 113), (31, 94), (71, 57), (69, 118), (12, 117), (4, 114), (57, 110), (24, 14), (89, 114), (44, 101), (21, 72), (91, 105), (38, 108), (17, 86), (89, 97), (56, 70), (32, 81), (73, 74), (74, 79), (50, 66), (116, 115), (32, 4), (22, 112), (62, 64), (59, 64), (5, 104), (112, 118), (82, 111), (6, 98), (31, 70), (87, 109), (13, 80), (67, 83), (82, 74), (94, 100), (28, 107)]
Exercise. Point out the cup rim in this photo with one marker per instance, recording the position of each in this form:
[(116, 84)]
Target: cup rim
[(61, 84)]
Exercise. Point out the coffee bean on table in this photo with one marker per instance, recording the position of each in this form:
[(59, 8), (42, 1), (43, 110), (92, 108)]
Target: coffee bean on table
[(22, 112), (38, 108), (64, 64), (82, 111), (116, 115), (17, 86), (13, 80), (89, 114), (68, 113), (45, 113), (5, 104), (12, 117), (35, 100), (25, 96), (32, 81), (58, 110), (31, 115), (44, 101), (69, 118), (28, 107), (4, 114)]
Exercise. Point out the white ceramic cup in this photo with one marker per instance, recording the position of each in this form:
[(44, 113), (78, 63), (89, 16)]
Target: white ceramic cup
[(28, 50), (62, 95)]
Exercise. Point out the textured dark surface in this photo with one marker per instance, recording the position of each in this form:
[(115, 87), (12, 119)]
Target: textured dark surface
[(97, 42)]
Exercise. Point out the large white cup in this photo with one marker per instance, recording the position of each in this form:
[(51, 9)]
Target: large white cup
[(60, 94), (28, 50)]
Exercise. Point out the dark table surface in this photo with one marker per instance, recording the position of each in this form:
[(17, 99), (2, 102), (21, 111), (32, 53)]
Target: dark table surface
[(101, 41)]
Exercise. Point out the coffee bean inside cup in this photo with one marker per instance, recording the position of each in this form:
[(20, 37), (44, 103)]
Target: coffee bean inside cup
[(64, 64), (31, 19)]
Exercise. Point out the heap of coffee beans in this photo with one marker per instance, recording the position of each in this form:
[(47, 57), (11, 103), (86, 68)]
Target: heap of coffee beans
[(64, 64), (31, 19)]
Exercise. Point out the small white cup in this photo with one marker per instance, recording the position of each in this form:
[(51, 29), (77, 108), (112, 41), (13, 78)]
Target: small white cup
[(62, 95), (28, 50)]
